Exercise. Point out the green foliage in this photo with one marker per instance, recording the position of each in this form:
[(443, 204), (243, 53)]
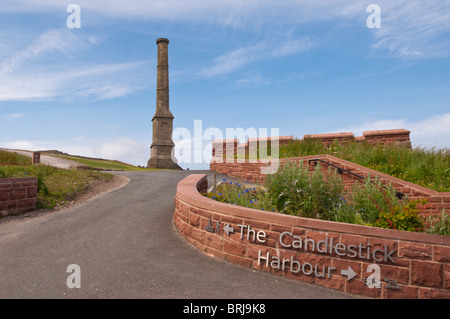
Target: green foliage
[(294, 190), (439, 225), (55, 186), (241, 194), (426, 167), (372, 197), (9, 158), (343, 212), (405, 217)]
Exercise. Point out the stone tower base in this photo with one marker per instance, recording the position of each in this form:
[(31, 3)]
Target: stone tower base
[(163, 163)]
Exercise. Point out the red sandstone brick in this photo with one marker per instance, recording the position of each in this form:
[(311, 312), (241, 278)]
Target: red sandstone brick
[(242, 261), (31, 192), (195, 220), (256, 224), (442, 253), (213, 240), (215, 253), (4, 196), (26, 204), (253, 251), (447, 276), (233, 247), (355, 286), (17, 194), (399, 274), (226, 219), (11, 205), (426, 273), (405, 292), (300, 276), (198, 235), (415, 250), (335, 282), (439, 294)]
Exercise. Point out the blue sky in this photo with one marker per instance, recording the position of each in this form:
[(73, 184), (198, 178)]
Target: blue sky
[(303, 67)]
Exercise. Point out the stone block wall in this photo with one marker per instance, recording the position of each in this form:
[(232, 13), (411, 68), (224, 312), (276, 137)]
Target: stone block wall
[(340, 256), (17, 195)]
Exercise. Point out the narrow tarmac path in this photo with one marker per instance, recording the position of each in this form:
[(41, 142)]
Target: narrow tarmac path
[(127, 247), (48, 159)]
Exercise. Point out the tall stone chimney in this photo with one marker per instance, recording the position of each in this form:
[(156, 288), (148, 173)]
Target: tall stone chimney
[(162, 146)]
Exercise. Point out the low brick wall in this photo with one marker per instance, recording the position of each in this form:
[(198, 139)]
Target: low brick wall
[(251, 170), (340, 256), (230, 147), (17, 195)]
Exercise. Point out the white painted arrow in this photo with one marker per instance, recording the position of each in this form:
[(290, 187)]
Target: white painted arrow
[(350, 273), (228, 229)]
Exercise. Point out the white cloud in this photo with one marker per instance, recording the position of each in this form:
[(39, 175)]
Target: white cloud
[(233, 60), (409, 28), (23, 75), (90, 82), (414, 29), (429, 132), (14, 116), (124, 149), (59, 41)]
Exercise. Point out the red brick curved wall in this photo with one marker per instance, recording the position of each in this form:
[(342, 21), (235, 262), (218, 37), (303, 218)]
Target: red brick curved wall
[(412, 265)]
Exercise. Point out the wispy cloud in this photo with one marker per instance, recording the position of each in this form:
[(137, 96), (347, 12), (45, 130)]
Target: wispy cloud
[(414, 29), (50, 68), (234, 60), (53, 41), (409, 28), (433, 131), (14, 116), (93, 82)]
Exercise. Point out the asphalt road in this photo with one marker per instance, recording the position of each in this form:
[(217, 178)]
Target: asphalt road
[(126, 247)]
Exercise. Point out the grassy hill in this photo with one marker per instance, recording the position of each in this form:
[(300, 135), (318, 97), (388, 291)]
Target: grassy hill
[(98, 163), (58, 186)]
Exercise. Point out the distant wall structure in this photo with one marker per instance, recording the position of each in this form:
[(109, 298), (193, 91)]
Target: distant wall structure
[(17, 195), (380, 137)]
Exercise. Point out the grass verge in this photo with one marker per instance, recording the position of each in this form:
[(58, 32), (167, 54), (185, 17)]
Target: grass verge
[(56, 186)]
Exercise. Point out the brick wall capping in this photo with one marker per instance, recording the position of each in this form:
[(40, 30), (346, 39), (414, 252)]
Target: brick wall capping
[(386, 132), (330, 135), (187, 192), (18, 179), (230, 141)]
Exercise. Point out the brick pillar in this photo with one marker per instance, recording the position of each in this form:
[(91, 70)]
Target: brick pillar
[(36, 158)]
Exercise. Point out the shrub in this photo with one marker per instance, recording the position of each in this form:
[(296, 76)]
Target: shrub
[(439, 225), (344, 212), (372, 197), (240, 194), (405, 217), (292, 190)]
